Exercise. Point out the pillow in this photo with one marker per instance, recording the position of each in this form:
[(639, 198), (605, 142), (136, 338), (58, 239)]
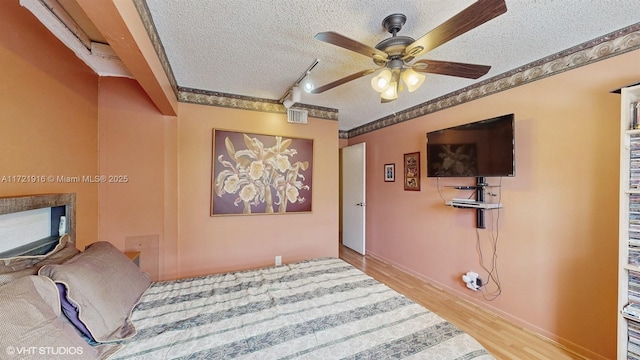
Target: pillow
[(58, 257), (66, 253), (104, 286), (32, 328), (24, 261), (71, 311), (10, 276)]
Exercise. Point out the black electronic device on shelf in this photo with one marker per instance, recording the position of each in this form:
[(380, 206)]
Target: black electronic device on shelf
[(478, 203)]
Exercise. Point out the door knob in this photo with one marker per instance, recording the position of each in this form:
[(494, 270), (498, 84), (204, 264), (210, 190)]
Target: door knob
[(360, 204)]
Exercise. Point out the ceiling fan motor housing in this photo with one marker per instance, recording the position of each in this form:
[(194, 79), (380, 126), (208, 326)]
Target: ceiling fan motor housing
[(395, 45), (395, 64)]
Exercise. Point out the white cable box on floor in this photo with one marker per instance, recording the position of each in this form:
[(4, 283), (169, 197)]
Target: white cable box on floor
[(470, 203)]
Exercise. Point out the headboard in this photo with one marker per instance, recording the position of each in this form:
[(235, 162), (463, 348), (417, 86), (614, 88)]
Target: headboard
[(59, 205)]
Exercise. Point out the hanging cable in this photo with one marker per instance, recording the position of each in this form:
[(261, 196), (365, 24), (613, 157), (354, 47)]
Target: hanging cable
[(492, 269)]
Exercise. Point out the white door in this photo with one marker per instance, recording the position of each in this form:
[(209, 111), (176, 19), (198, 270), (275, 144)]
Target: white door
[(353, 196)]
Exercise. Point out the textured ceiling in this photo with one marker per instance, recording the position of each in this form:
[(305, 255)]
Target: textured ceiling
[(259, 48)]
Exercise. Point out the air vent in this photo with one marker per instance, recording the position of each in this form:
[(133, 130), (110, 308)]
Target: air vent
[(297, 116)]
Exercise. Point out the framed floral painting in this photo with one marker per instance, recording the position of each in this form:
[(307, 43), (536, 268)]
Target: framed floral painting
[(260, 174)]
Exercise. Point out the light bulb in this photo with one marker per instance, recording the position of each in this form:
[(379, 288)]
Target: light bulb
[(307, 84), (391, 93), (308, 87), (412, 79), (381, 82)]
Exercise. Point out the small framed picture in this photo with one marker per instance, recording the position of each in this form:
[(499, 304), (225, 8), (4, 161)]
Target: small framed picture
[(389, 172), (412, 171)]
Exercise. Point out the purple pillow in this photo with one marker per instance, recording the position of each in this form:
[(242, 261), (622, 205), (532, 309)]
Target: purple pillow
[(71, 311)]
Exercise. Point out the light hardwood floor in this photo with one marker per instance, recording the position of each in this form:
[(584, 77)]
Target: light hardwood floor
[(503, 339)]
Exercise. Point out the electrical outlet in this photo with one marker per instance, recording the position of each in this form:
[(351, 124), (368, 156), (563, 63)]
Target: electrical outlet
[(473, 280), (278, 260)]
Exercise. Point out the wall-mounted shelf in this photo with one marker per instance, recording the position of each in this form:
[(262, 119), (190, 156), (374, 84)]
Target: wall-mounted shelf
[(478, 203), (474, 204), (472, 187)]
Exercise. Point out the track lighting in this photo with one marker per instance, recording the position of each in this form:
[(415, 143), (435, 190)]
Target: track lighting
[(288, 102), (293, 94), (296, 95), (293, 97)]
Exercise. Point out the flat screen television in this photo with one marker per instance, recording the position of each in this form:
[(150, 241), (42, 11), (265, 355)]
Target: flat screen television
[(480, 149)]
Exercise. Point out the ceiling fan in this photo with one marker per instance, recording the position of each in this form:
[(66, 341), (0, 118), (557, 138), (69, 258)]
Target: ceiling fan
[(394, 55)]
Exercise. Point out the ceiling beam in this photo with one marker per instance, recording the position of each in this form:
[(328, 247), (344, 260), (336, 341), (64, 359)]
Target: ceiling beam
[(121, 25), (97, 56)]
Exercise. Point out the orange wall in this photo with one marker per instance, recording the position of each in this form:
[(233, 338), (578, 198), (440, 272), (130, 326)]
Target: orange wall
[(137, 160), (48, 116), (557, 244), (214, 244)]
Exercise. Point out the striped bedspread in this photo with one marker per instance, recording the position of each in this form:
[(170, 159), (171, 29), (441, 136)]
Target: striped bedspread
[(317, 309)]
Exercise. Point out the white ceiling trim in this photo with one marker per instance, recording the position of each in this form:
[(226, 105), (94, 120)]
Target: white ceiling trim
[(99, 57)]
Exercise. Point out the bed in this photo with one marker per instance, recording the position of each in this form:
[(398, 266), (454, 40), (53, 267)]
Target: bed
[(97, 304)]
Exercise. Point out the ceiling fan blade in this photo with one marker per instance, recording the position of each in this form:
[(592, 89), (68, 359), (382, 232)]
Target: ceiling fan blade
[(350, 44), (469, 18), (339, 82), (469, 71)]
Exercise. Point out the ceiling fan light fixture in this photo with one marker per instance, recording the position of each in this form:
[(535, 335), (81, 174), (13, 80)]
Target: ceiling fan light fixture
[(412, 79), (391, 93), (382, 81), (379, 83)]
